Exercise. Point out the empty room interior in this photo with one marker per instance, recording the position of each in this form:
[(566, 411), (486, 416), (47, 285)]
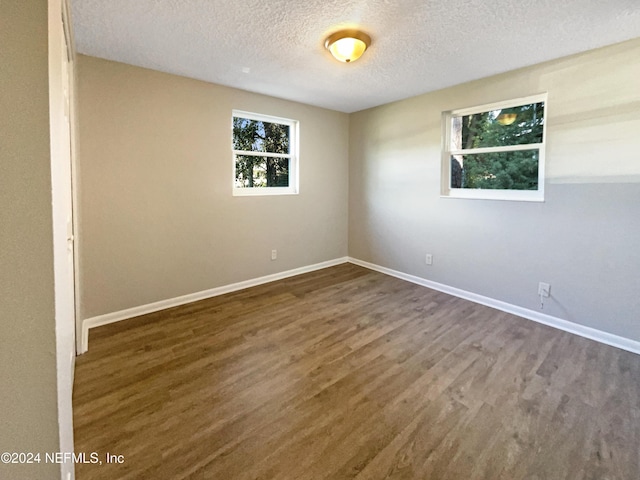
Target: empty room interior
[(320, 240)]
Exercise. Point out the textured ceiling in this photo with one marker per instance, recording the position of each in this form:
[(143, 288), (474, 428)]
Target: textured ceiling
[(275, 47)]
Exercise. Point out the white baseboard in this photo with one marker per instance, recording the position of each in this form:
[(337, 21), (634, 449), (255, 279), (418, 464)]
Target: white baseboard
[(565, 325), (105, 319), (575, 328)]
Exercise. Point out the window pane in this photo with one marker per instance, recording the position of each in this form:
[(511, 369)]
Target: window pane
[(276, 138), (496, 171), (257, 136), (261, 172), (519, 125)]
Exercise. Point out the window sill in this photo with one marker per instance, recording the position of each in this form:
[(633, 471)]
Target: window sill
[(508, 195), (264, 191)]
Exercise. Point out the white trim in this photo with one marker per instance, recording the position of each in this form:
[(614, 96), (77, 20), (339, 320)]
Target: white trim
[(75, 218), (263, 191), (60, 140), (113, 317), (565, 325), (507, 148), (514, 102), (246, 153), (260, 117), (488, 194)]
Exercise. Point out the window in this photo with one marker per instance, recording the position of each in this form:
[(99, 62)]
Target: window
[(265, 154), (495, 151)]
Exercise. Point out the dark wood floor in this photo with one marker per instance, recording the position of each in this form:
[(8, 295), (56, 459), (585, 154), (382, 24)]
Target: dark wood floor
[(348, 373)]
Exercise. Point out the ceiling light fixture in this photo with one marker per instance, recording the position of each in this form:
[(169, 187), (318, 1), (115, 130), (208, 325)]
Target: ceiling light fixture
[(347, 45)]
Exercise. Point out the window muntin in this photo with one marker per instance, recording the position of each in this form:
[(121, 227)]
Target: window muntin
[(496, 151), (264, 154)]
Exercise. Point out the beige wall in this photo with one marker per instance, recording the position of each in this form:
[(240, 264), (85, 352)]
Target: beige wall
[(583, 239), (28, 412), (157, 214), (159, 221)]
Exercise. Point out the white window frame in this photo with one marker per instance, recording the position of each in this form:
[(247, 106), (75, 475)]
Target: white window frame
[(489, 194), (294, 142)]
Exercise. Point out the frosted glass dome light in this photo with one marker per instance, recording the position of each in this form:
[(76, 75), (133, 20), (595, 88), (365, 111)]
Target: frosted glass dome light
[(347, 45)]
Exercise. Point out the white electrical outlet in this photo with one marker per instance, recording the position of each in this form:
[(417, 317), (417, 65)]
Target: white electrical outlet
[(274, 254), (429, 259), (544, 289)]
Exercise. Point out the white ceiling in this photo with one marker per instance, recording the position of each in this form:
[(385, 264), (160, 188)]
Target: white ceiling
[(275, 47)]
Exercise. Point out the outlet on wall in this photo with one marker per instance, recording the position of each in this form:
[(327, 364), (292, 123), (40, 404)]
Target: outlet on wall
[(428, 259), (544, 289), (274, 254)]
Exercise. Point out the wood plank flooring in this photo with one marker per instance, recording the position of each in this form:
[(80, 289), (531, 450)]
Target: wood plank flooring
[(346, 373)]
